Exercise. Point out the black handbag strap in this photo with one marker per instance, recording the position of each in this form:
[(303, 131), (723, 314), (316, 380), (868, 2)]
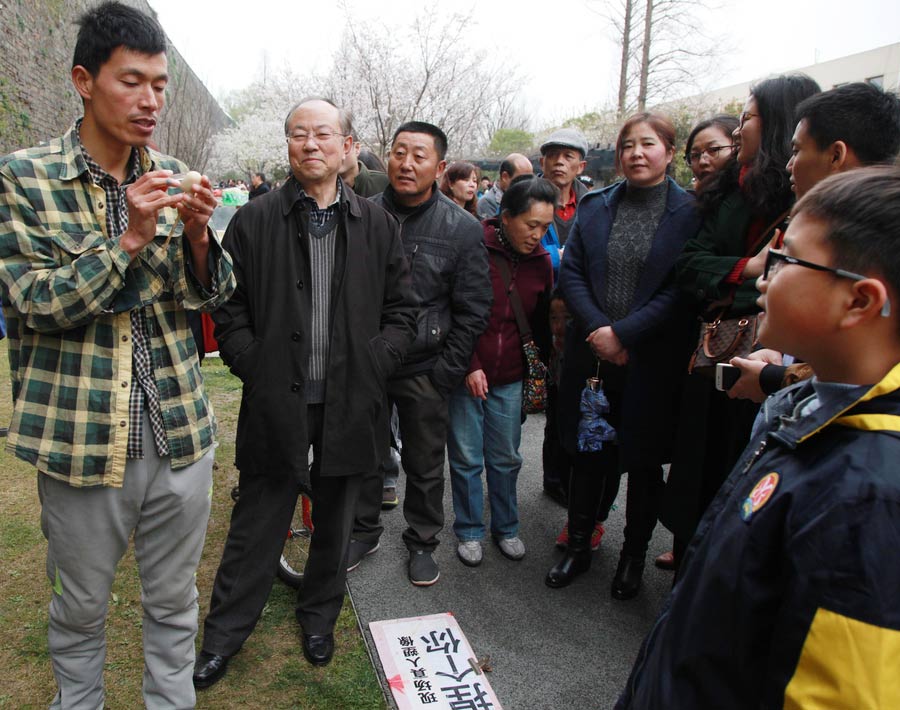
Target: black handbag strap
[(514, 299)]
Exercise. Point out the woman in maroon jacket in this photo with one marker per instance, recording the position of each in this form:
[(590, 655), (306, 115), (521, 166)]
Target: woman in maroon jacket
[(486, 410)]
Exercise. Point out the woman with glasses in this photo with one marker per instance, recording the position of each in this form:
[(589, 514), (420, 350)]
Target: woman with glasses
[(617, 278), (710, 148), (741, 206)]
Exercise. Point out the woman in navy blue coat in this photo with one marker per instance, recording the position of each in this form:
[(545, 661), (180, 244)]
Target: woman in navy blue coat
[(629, 325)]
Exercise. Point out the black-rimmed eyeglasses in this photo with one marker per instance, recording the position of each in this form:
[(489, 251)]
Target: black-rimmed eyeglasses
[(712, 151), (775, 260)]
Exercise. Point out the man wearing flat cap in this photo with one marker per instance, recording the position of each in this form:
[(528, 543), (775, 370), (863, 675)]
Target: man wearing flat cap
[(562, 161)]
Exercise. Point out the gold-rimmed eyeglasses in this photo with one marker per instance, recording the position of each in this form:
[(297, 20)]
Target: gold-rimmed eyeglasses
[(323, 135), (742, 119)]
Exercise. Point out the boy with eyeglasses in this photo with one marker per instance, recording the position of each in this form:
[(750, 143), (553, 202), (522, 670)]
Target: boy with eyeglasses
[(788, 591)]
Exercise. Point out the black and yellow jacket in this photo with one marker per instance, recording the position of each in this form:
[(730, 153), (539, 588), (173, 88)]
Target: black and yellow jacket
[(790, 590)]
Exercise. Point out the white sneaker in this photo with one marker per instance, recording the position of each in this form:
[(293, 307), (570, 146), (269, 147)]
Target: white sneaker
[(511, 547), (470, 552)]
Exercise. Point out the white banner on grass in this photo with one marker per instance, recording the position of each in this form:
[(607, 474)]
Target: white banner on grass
[(429, 663)]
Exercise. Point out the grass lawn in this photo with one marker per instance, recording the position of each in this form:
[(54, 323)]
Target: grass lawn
[(269, 672)]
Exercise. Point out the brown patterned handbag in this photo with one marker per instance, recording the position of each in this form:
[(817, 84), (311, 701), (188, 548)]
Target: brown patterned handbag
[(724, 338)]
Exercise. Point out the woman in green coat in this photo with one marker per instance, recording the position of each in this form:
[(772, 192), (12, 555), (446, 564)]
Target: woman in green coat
[(741, 207)]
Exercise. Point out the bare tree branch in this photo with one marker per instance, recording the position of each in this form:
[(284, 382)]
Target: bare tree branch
[(441, 81), (190, 118), (386, 76), (672, 54)]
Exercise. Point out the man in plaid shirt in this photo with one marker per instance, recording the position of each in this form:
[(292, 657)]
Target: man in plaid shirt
[(109, 402)]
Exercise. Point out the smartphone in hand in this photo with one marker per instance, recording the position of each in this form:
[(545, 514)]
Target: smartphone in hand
[(726, 376)]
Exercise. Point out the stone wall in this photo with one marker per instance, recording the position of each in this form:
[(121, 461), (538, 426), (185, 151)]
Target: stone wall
[(37, 100)]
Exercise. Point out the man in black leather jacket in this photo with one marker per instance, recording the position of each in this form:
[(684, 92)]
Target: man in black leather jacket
[(451, 281)]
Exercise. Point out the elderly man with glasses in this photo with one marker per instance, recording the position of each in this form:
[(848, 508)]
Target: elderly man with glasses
[(322, 315)]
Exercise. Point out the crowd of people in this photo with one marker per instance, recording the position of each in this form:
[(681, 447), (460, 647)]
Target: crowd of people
[(370, 309)]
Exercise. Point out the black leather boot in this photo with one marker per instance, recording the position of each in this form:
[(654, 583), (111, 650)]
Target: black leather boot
[(627, 581), (577, 557)]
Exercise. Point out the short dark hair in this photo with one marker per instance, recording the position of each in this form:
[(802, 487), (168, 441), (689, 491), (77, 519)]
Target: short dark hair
[(261, 176), (345, 118), (524, 190), (440, 138), (372, 161), (863, 116), (507, 166), (861, 209), (110, 25)]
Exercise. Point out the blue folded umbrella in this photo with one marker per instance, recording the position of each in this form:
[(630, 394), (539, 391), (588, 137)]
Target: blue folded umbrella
[(593, 429)]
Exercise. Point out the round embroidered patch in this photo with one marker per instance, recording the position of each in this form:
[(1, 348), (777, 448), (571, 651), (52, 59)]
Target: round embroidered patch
[(760, 495)]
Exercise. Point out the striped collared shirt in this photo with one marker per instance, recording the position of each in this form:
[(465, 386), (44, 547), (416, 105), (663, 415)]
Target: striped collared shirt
[(322, 233), (320, 215), (68, 290), (143, 386)]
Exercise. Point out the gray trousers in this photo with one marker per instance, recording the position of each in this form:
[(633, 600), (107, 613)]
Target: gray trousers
[(87, 531)]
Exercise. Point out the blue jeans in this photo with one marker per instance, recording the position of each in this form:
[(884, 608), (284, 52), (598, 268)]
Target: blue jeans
[(485, 435)]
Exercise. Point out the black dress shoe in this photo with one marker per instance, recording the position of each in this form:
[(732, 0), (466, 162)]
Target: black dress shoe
[(318, 649), (209, 669), (627, 581), (570, 566)]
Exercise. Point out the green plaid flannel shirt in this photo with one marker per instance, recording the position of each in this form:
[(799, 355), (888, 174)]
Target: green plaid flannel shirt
[(67, 293)]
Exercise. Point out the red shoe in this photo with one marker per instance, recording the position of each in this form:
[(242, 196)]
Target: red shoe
[(666, 560), (563, 540), (597, 536)]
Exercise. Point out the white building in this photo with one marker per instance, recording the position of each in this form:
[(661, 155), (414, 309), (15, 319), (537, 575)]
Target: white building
[(880, 67)]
